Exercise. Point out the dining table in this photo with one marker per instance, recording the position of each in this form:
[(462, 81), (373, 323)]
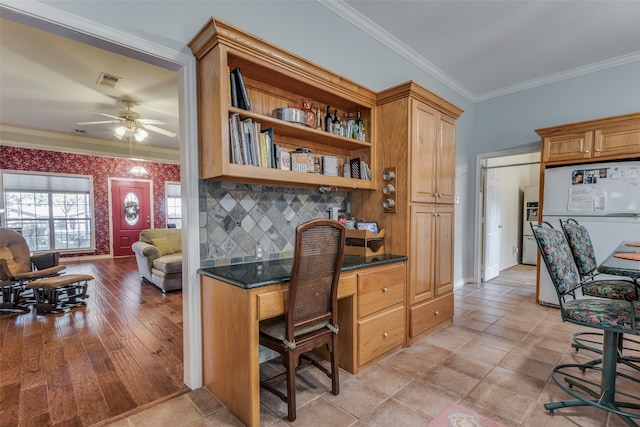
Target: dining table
[(623, 261)]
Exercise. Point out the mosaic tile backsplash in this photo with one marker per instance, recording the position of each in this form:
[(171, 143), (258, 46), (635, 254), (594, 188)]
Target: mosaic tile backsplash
[(235, 218)]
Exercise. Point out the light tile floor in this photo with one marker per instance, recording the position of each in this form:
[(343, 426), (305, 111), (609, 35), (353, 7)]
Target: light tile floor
[(495, 359)]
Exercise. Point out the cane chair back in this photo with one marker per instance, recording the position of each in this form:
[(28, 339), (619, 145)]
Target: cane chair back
[(310, 320)]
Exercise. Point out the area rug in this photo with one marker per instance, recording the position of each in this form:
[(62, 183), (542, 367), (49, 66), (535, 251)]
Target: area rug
[(458, 416)]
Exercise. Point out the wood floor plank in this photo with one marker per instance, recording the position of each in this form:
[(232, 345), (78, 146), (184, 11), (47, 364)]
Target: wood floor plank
[(62, 403), (33, 372), (92, 408), (9, 404), (115, 394), (81, 373), (34, 409)]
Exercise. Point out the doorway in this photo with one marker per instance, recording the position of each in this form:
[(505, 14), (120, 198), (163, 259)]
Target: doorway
[(503, 178), (46, 18), (131, 212)]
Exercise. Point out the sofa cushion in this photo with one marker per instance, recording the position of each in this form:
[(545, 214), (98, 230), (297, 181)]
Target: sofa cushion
[(173, 235), (169, 263), (163, 245)]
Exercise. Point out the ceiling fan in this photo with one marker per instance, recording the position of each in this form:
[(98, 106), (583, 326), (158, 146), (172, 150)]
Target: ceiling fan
[(131, 123)]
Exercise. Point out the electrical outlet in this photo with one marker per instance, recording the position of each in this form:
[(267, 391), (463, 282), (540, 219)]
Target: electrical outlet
[(259, 253)]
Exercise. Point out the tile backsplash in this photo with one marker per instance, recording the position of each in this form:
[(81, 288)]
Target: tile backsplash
[(235, 218)]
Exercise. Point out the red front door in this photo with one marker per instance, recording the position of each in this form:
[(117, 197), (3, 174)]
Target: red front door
[(131, 202)]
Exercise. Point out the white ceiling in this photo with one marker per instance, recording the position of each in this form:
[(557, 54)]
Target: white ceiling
[(481, 49)]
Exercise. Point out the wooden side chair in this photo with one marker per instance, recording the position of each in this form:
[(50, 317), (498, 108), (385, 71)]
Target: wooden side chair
[(584, 256), (613, 317), (310, 320)]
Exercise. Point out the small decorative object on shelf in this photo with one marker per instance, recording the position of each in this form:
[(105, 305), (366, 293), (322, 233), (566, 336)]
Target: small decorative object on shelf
[(336, 124), (328, 123), (364, 242)]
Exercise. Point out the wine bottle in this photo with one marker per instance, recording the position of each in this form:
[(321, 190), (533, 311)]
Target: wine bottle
[(318, 119), (337, 126), (328, 123), (358, 128)]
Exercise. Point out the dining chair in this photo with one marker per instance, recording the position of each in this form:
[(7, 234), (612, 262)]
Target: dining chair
[(583, 253), (310, 320), (612, 316)]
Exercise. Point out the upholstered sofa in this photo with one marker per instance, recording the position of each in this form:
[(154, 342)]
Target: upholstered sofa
[(159, 257)]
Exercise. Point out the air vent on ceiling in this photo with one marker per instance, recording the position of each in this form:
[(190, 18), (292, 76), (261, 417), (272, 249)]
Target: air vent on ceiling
[(108, 80)]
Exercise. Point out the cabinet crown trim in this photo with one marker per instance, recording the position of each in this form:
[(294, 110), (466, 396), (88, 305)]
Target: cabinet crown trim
[(414, 90), (589, 125)]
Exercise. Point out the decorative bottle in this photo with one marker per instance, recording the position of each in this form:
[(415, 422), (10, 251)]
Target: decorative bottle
[(328, 123), (337, 126), (358, 128)]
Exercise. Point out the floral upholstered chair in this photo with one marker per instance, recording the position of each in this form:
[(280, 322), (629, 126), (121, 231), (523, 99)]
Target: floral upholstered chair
[(585, 259), (614, 317)]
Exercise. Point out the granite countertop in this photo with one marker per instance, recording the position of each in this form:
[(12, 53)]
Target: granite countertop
[(272, 272)]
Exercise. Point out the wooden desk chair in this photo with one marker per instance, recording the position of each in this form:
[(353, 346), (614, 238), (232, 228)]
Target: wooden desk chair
[(613, 317), (310, 320), (585, 258)]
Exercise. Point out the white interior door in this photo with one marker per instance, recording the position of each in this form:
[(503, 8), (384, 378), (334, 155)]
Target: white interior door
[(492, 225)]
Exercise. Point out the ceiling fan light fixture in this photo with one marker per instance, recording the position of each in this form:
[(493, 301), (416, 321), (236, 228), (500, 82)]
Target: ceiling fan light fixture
[(120, 132), (140, 134)]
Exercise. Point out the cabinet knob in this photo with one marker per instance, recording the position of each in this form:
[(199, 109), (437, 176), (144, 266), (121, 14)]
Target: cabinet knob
[(436, 313), (384, 290), (384, 335), (586, 151), (597, 150)]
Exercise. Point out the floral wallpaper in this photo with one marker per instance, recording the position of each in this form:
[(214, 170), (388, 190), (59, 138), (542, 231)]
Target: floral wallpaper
[(101, 168)]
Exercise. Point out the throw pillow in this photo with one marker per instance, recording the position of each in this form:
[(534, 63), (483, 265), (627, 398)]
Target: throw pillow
[(163, 245)]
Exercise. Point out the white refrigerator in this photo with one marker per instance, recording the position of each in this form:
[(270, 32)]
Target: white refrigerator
[(604, 197)]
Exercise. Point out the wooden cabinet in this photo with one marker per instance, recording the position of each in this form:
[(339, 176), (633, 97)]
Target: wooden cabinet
[(431, 248), (381, 312), (433, 158), (274, 78), (595, 140), (416, 130)]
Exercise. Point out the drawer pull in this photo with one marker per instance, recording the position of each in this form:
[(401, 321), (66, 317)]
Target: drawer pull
[(436, 313), (384, 290), (384, 335)]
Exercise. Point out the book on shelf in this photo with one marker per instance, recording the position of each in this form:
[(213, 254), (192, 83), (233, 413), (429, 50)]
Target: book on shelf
[(267, 135), (237, 152), (233, 90), (241, 90), (284, 159)]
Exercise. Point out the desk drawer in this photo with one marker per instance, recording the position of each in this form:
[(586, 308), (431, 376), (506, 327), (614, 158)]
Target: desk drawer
[(380, 288), (380, 334), (273, 303)]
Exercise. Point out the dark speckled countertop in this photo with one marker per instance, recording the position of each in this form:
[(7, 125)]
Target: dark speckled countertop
[(256, 274)]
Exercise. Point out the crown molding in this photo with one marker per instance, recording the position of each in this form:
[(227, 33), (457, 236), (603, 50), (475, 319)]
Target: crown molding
[(355, 18), (30, 138)]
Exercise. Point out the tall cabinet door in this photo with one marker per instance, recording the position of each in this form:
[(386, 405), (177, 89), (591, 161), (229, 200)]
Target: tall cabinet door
[(421, 253), (443, 253), (446, 160), (424, 129)]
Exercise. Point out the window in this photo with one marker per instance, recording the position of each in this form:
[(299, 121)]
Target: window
[(53, 212), (174, 205)]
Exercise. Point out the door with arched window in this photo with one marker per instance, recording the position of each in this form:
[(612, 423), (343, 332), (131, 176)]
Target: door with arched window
[(130, 213)]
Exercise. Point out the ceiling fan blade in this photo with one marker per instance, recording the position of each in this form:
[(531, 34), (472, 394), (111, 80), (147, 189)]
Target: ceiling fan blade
[(109, 115), (159, 130), (98, 123), (151, 121)]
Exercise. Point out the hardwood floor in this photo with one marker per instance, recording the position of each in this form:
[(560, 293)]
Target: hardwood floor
[(122, 351)]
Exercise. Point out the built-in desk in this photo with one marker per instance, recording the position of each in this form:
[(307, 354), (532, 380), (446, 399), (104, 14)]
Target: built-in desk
[(236, 297)]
